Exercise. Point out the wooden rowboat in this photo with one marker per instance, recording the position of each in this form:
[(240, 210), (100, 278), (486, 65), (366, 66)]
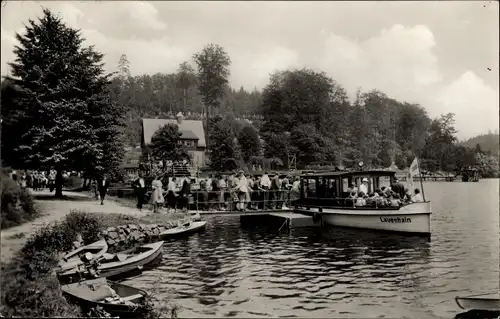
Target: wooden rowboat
[(115, 298), (123, 262), (73, 259), (489, 302), (184, 230)]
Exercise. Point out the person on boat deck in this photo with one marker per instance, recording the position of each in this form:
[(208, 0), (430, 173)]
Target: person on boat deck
[(351, 200), (417, 198), (171, 189), (360, 200), (398, 188), (392, 201), (364, 186), (407, 197), (370, 200), (380, 199), (157, 194), (352, 188)]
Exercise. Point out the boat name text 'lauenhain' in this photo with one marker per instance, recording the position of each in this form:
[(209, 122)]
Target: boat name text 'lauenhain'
[(395, 220)]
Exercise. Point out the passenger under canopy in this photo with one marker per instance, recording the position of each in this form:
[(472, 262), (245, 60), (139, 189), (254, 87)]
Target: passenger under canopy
[(332, 188)]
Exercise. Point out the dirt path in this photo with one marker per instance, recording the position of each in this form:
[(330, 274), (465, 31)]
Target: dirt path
[(13, 239)]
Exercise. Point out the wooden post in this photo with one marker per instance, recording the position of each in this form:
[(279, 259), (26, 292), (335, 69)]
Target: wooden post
[(421, 183)]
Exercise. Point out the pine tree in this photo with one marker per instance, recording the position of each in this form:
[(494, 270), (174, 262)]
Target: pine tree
[(69, 119)]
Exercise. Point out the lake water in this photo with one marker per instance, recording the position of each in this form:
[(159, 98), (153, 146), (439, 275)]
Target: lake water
[(230, 271)]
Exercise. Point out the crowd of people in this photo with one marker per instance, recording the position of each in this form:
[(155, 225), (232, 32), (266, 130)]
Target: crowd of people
[(236, 191), (36, 180), (242, 191)]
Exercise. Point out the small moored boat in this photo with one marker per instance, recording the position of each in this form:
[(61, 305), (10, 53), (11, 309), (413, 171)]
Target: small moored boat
[(490, 302), (110, 265), (73, 258), (188, 228), (115, 298), (325, 197)]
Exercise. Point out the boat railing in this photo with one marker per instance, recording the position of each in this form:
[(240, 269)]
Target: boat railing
[(260, 200)]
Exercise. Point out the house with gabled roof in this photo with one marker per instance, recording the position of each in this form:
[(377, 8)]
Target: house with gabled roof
[(192, 136)]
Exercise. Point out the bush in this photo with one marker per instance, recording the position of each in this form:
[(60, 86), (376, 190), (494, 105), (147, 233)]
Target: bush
[(17, 204), (30, 287)]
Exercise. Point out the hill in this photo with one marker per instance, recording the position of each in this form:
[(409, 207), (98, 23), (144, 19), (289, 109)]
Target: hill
[(488, 142)]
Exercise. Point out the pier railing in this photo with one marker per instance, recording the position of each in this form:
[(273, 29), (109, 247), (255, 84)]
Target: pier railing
[(228, 200)]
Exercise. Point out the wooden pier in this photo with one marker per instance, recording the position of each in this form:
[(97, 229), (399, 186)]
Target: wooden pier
[(283, 220)]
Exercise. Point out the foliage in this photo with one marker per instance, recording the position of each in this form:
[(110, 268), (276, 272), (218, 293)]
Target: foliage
[(222, 144), (486, 142), (65, 114), (17, 204), (488, 165), (249, 141), (166, 146), (213, 73), (29, 286)]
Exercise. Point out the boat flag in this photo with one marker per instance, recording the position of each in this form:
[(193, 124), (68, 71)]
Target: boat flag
[(413, 171)]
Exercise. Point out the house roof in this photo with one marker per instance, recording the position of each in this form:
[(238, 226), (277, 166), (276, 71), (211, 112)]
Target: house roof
[(189, 135), (150, 126)]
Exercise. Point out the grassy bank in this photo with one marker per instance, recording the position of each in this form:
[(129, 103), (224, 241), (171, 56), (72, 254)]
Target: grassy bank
[(18, 206), (29, 285)]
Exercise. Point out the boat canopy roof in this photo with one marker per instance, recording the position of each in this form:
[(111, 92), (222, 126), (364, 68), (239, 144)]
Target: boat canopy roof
[(350, 173)]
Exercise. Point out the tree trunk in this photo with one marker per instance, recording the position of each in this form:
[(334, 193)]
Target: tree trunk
[(59, 184)]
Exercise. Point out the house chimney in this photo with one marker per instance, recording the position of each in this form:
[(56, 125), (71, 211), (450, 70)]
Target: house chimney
[(179, 117)]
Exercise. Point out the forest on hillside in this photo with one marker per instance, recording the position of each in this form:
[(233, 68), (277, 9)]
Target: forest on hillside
[(303, 117)]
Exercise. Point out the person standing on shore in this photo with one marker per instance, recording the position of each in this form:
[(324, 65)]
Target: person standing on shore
[(171, 189), (140, 190), (157, 195), (103, 188)]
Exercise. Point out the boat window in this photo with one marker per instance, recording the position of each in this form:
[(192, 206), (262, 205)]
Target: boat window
[(331, 187), (321, 187), (345, 184), (384, 181), (309, 187)]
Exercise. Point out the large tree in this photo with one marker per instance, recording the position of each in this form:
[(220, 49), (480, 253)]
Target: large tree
[(69, 121), (222, 145), (312, 99), (166, 145), (213, 75), (249, 141)]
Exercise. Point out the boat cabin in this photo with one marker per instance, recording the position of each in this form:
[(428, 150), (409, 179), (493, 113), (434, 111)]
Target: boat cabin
[(332, 188)]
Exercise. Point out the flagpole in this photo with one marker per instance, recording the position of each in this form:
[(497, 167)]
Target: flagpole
[(421, 183)]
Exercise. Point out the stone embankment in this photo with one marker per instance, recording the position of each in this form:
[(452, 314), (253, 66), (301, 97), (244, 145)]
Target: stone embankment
[(132, 233)]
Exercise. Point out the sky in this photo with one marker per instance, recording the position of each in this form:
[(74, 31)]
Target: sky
[(443, 55)]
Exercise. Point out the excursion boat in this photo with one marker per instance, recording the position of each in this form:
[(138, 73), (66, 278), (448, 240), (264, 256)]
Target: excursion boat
[(324, 195)]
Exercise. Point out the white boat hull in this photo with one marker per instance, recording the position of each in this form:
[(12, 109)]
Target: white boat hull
[(411, 218), (489, 302)]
